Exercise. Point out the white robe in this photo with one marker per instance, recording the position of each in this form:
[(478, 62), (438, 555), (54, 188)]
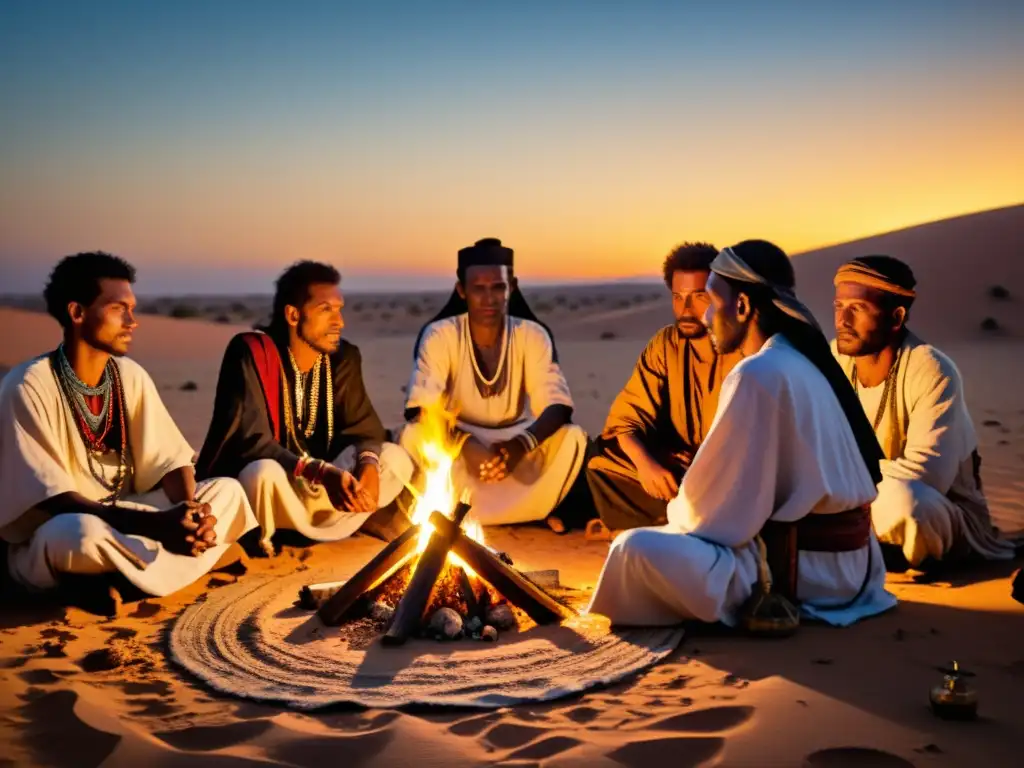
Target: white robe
[(444, 370), (780, 447), (42, 455), (929, 502), (280, 501)]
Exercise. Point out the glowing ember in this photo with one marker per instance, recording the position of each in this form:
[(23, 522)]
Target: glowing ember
[(437, 454)]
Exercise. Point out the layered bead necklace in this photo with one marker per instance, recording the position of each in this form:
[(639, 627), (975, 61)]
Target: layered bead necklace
[(314, 396), (94, 428)]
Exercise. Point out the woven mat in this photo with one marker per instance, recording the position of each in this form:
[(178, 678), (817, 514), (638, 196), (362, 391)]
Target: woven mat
[(248, 640)]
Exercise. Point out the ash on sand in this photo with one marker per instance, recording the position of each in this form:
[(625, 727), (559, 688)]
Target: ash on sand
[(249, 640)]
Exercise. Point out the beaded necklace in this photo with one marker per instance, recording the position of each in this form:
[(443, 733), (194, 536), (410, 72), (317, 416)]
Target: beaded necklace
[(74, 392), (314, 396)]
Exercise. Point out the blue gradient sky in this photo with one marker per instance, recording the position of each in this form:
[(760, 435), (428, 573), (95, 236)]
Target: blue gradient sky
[(213, 143)]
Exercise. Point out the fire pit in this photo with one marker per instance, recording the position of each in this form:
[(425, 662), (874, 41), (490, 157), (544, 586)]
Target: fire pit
[(438, 575)]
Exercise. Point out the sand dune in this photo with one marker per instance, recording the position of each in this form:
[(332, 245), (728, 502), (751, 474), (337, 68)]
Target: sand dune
[(77, 690)]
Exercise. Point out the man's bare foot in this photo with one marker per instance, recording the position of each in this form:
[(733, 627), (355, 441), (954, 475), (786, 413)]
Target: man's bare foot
[(556, 524)]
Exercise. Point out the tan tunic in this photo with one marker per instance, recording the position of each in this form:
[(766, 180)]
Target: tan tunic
[(669, 401), (930, 501)]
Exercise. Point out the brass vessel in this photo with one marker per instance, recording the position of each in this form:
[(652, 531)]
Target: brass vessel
[(954, 699)]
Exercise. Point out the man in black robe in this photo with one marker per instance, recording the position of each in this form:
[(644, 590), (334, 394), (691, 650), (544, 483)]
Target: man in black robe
[(293, 422)]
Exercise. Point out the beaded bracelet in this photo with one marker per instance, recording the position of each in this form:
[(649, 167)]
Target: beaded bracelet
[(321, 468), (368, 457)]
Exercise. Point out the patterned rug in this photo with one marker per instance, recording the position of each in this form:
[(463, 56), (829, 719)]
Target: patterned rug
[(249, 640)]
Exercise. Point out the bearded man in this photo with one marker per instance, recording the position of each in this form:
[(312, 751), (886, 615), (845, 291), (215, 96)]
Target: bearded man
[(930, 506), (293, 422), (96, 477), (660, 418), (790, 463), (486, 358)]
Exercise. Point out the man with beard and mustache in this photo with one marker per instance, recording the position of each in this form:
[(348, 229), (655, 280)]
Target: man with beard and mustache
[(930, 504), (789, 465), (97, 480), (293, 422), (660, 418)]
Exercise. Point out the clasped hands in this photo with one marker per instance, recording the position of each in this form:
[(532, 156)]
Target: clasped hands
[(355, 493), (494, 463)]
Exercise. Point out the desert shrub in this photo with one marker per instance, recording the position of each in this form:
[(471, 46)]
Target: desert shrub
[(573, 307), (999, 292), (414, 310), (543, 306), (990, 324), (622, 303), (607, 335), (183, 311), (239, 308), (223, 319), (356, 307), (561, 300), (393, 304), (189, 386)]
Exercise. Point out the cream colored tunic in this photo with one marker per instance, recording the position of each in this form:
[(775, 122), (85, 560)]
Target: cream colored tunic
[(930, 502), (780, 447), (42, 455), (280, 501), (445, 369)]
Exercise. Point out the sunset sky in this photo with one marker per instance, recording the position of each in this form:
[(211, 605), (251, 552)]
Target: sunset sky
[(213, 143)]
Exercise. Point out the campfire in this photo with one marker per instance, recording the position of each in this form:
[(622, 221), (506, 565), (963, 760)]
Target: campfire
[(438, 578)]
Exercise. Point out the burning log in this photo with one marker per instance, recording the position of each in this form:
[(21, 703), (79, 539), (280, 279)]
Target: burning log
[(519, 590), (414, 602), (387, 560), (469, 595)]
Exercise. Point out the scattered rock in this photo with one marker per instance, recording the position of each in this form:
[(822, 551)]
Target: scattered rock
[(823, 662), (474, 625), (189, 386), (489, 634), (501, 617), (990, 324), (54, 649), (931, 749), (447, 623), (382, 612), (607, 335), (999, 292), (991, 423)]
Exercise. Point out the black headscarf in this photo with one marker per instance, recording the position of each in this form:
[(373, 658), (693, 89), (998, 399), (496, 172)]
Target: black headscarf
[(793, 320), (488, 252)]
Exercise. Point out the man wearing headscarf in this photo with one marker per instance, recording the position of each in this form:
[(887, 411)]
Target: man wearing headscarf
[(930, 504), (789, 464), (486, 358), (664, 412)]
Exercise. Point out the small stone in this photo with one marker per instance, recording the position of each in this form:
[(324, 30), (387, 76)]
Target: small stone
[(189, 386), (501, 617), (381, 612), (489, 634), (447, 623), (474, 625)]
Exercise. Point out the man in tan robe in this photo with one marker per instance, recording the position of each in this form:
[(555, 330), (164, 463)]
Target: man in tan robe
[(930, 504), (660, 418), (97, 480)]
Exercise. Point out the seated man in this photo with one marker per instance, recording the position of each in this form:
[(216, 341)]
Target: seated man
[(789, 459), (96, 477), (302, 435), (487, 359), (930, 504), (659, 419)]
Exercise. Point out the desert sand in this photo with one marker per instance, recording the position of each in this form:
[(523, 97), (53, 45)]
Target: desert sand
[(80, 690)]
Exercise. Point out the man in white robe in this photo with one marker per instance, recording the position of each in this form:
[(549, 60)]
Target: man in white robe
[(292, 420), (488, 360), (96, 477), (930, 504), (789, 457)]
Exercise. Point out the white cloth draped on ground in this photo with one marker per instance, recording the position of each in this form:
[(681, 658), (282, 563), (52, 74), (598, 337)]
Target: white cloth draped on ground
[(527, 381), (780, 447), (42, 455), (930, 502), (280, 501)]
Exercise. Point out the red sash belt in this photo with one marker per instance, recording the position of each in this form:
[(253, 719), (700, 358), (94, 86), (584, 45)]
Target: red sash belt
[(841, 532)]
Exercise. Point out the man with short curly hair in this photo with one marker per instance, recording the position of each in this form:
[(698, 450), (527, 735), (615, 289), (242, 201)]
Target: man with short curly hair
[(97, 478), (659, 419)]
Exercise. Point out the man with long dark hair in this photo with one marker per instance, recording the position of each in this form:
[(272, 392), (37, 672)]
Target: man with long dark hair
[(790, 464), (293, 421), (662, 415), (930, 504), (487, 358), (96, 477)]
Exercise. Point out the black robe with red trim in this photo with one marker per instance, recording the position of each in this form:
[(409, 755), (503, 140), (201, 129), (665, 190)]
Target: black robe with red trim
[(248, 411)]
